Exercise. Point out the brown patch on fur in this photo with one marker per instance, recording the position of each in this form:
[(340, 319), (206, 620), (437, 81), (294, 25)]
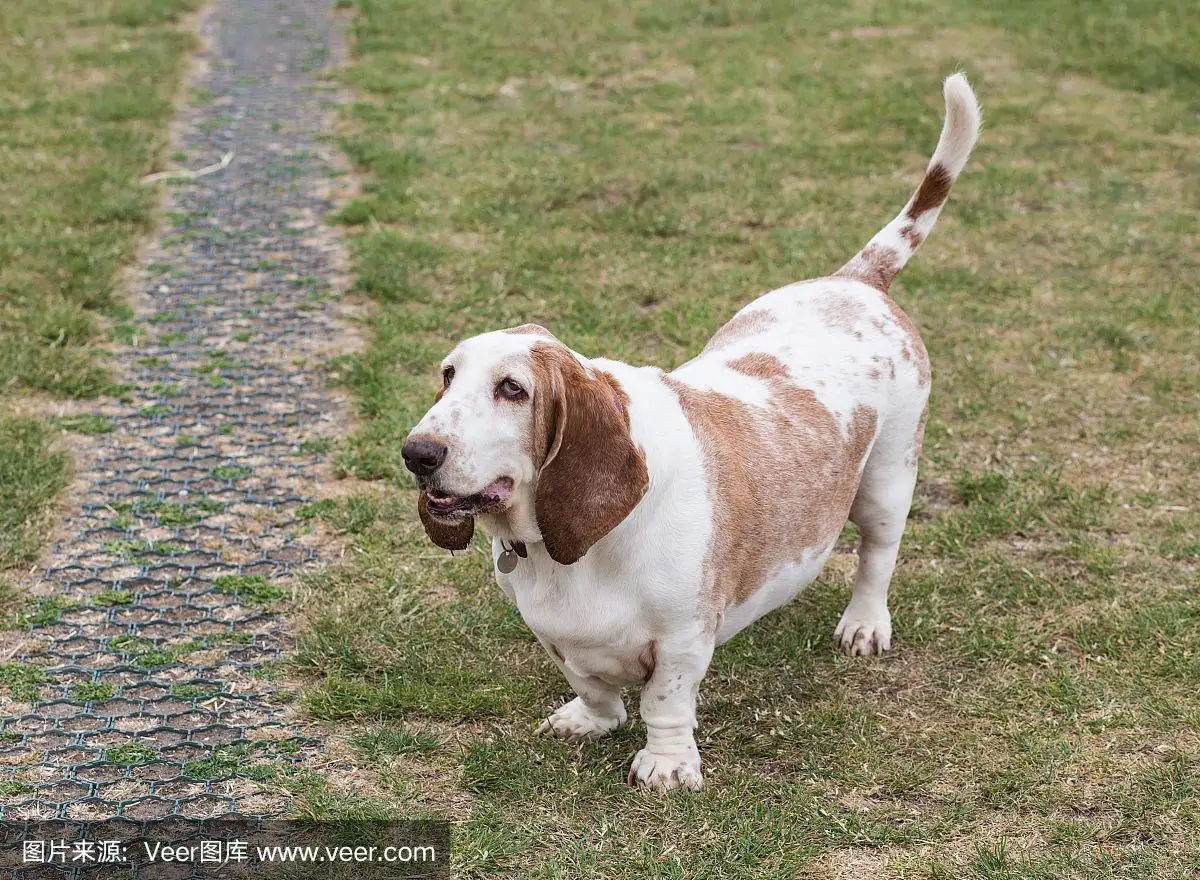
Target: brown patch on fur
[(934, 188), (759, 365), (912, 235), (447, 535), (781, 481), (740, 327), (915, 349), (843, 314), (875, 265), (591, 473), (531, 330)]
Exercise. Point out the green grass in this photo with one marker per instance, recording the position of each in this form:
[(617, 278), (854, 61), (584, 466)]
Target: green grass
[(631, 174), (249, 587), (391, 740), (113, 598), (12, 788), (32, 473), (148, 655), (85, 98), (168, 513), (12, 601), (92, 692), (22, 680), (87, 423), (195, 691), (137, 550), (87, 95), (130, 753), (230, 472), (316, 446), (241, 760), (44, 611)]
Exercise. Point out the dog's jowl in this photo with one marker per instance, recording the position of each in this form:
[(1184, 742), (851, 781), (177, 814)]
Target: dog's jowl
[(640, 518)]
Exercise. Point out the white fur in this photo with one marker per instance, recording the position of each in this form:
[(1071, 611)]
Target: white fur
[(643, 585)]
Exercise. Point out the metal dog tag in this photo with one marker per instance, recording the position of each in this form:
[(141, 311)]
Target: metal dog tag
[(507, 562)]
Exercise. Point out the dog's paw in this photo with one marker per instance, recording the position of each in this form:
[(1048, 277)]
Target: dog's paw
[(575, 721), (666, 772), (864, 630)]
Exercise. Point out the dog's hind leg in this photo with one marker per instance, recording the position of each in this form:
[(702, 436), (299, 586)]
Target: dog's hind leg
[(880, 511)]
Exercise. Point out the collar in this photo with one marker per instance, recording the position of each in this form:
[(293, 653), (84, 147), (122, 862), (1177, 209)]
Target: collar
[(517, 547), (510, 556)]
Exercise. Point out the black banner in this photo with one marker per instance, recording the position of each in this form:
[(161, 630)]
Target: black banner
[(206, 849)]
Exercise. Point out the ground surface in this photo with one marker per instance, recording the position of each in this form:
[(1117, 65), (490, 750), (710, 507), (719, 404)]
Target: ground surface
[(630, 174), (86, 91), (140, 677)]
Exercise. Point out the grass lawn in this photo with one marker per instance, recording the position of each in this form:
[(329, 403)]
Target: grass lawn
[(631, 174), (86, 89)]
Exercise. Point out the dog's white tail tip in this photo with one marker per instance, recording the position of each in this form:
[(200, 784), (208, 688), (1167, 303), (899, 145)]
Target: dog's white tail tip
[(960, 130)]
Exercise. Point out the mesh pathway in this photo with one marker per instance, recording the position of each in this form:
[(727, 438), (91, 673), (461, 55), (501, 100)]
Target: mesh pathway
[(142, 685)]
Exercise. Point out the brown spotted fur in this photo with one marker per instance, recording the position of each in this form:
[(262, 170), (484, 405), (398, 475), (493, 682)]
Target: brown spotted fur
[(531, 330), (933, 191), (781, 479), (761, 365), (914, 348), (876, 265), (844, 314), (741, 327)]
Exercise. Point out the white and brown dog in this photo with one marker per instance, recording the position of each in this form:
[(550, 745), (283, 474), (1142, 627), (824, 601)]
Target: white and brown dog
[(640, 518)]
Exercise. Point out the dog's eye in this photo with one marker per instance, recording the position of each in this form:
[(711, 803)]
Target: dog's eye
[(510, 390), (447, 376)]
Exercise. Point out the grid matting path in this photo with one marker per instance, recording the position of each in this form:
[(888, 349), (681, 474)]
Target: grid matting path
[(143, 684)]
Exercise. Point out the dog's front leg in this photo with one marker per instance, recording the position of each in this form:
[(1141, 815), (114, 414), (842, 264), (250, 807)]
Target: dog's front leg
[(670, 758), (596, 712)]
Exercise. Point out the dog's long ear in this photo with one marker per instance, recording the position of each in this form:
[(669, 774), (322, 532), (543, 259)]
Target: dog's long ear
[(449, 536), (591, 473)]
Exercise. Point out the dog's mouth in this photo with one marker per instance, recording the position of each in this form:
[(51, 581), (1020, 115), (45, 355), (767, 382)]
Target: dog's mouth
[(492, 499)]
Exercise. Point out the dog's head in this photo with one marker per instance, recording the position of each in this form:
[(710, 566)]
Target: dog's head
[(524, 432)]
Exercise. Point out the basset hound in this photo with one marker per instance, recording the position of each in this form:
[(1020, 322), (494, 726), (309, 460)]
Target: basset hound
[(639, 518)]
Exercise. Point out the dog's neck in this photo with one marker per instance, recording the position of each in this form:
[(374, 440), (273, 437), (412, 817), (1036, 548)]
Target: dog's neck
[(518, 523)]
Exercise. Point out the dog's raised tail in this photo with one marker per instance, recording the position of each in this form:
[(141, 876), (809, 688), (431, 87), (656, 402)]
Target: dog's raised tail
[(881, 260)]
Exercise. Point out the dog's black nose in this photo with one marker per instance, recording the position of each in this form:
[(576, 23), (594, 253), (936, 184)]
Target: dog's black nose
[(423, 457)]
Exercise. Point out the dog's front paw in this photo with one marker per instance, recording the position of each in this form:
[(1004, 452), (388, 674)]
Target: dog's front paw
[(575, 721), (864, 630), (666, 772)]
